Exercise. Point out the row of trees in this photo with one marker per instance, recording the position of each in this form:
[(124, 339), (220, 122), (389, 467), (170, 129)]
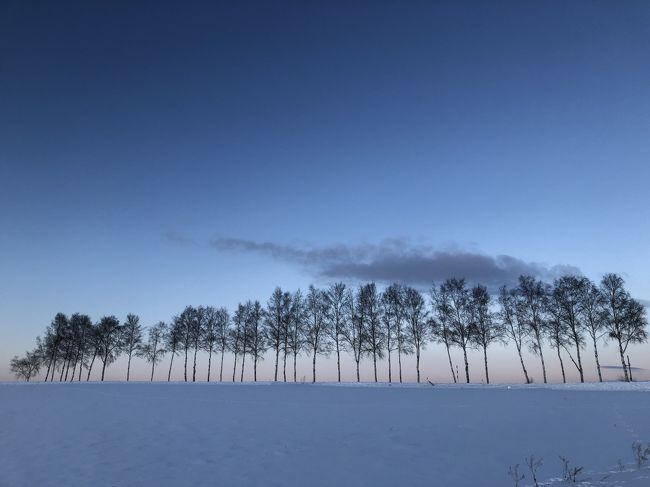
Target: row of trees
[(366, 323)]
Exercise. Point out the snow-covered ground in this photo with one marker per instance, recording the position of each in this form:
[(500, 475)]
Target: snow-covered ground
[(117, 434)]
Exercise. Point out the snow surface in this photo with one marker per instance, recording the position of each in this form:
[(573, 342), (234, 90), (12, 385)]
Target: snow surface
[(160, 434)]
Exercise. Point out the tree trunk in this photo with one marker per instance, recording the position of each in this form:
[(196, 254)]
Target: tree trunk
[(255, 368), (521, 360), (314, 368), (629, 368), (62, 370), (234, 368), (104, 364), (390, 377), (243, 364), (600, 376), (559, 356), (194, 366), (128, 368), (582, 375), (67, 369), (277, 359), (295, 368), (221, 367), (74, 370), (451, 365), (81, 364), (209, 363), (358, 375), (284, 366), (399, 362), (487, 375), (54, 366), (466, 364), (374, 361), (90, 368), (49, 365), (541, 355), (153, 365), (338, 359), (185, 372), (171, 362), (620, 349), (417, 363)]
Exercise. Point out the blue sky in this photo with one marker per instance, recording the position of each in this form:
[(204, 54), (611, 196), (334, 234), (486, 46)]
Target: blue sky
[(134, 137)]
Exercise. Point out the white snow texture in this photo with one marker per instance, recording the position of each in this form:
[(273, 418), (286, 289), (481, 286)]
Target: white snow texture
[(160, 434)]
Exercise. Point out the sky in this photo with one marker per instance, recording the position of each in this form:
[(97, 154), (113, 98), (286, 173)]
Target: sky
[(160, 154)]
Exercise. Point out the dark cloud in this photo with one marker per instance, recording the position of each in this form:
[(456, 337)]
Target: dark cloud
[(398, 260)]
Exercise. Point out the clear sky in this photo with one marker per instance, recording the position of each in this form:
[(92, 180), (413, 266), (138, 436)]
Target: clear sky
[(159, 154)]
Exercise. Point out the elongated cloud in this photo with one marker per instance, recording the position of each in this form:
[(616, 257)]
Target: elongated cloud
[(398, 260)]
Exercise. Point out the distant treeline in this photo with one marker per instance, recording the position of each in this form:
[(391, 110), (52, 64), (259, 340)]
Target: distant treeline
[(364, 322)]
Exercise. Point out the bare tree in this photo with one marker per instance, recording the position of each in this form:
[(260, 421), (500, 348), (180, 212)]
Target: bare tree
[(74, 339), (255, 317), (337, 299), (33, 362), (624, 317), (568, 296), (174, 341), (54, 337), (26, 367), (68, 346), (66, 349), (316, 335), (222, 332), (40, 353), (82, 326), (513, 473), (197, 329), (461, 315), (371, 313), (94, 345), (531, 304), (277, 310), (154, 349), (110, 341), (356, 334), (246, 337), (295, 333), (441, 321), (556, 332), (404, 346), (592, 309), (392, 318), (484, 329), (534, 465), (417, 326), (285, 337), (513, 325), (237, 336), (185, 325), (210, 338), (131, 339)]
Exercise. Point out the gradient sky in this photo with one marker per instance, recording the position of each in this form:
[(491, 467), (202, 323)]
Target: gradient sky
[(154, 155)]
